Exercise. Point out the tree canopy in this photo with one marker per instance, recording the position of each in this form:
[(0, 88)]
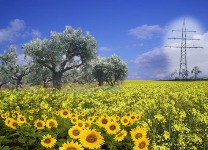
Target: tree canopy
[(63, 51)]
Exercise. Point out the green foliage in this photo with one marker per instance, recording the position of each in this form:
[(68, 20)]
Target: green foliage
[(111, 70), (64, 51), (11, 70)]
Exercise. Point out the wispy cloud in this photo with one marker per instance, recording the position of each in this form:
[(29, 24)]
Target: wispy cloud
[(17, 29), (146, 31), (105, 49), (151, 65)]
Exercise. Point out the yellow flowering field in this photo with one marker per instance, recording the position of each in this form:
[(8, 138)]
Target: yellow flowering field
[(155, 115)]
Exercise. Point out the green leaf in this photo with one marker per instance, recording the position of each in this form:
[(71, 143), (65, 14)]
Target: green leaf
[(31, 141), (21, 139), (6, 148)]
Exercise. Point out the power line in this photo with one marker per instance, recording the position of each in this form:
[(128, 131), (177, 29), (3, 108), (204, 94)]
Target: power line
[(183, 72)]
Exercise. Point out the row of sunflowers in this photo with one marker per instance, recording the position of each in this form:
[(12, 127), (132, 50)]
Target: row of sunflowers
[(138, 115)]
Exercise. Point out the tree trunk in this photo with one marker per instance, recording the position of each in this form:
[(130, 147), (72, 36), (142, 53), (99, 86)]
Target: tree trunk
[(18, 82), (1, 84), (100, 83), (57, 80), (45, 85)]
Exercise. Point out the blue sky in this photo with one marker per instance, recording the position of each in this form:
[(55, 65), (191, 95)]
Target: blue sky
[(133, 29)]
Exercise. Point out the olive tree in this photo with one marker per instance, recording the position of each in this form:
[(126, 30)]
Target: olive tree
[(110, 70), (62, 52), (10, 67), (39, 75), (4, 77)]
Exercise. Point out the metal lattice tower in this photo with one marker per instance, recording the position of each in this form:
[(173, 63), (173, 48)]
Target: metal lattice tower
[(183, 72)]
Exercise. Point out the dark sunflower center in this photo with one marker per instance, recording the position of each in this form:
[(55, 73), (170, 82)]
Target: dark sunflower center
[(80, 124), (76, 132), (22, 119), (74, 120), (39, 124), (125, 120), (138, 135), (112, 127), (120, 135), (71, 148), (15, 124), (104, 121), (47, 141), (65, 113), (142, 145), (87, 124), (132, 117), (91, 138), (51, 123)]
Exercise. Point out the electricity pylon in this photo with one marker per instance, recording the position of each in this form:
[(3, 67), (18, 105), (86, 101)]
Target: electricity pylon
[(183, 72)]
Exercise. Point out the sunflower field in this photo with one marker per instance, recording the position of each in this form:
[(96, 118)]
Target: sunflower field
[(139, 115)]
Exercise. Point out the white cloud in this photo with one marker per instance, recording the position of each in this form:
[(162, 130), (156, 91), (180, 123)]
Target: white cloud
[(21, 60), (17, 29), (146, 31), (195, 56), (151, 65), (11, 32), (35, 33), (105, 49)]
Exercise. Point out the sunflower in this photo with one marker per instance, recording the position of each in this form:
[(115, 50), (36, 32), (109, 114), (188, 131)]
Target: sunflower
[(39, 124), (32, 111), (44, 116), (74, 120), (55, 113), (7, 114), (91, 119), (21, 119), (75, 132), (73, 115), (120, 136), (133, 117), (13, 124), (91, 139), (3, 116), (80, 123), (7, 121), (117, 117), (48, 141), (112, 119), (129, 114), (112, 128), (71, 146), (64, 113), (138, 133), (138, 116), (51, 123), (124, 120), (83, 114), (141, 144), (87, 124), (131, 122), (30, 117), (14, 115), (103, 121)]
